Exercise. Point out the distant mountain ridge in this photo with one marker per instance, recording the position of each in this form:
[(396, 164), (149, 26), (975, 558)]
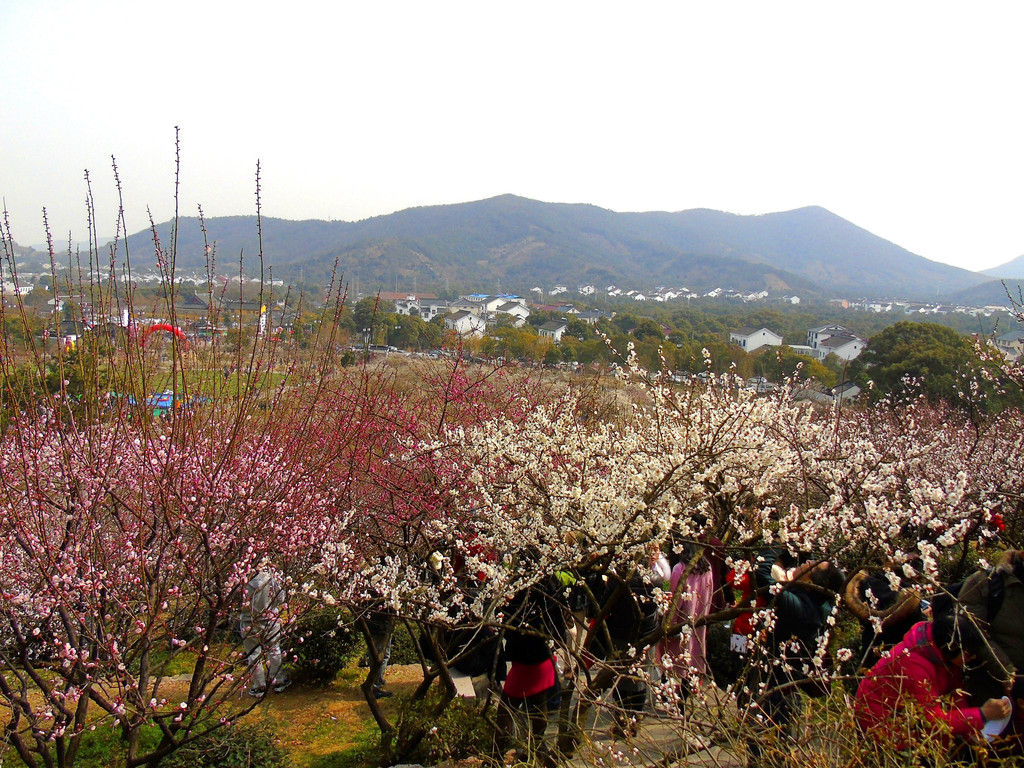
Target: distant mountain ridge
[(512, 243), (994, 293), (1011, 270)]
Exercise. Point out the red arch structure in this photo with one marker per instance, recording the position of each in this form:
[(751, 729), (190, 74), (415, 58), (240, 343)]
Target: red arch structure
[(178, 333)]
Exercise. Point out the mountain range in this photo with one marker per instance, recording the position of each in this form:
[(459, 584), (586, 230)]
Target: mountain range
[(1011, 270), (511, 243)]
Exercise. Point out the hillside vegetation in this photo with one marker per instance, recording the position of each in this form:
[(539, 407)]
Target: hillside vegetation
[(511, 243)]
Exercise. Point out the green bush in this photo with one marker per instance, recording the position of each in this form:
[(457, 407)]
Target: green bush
[(462, 731), (237, 746), (324, 641), (725, 665), (403, 646)]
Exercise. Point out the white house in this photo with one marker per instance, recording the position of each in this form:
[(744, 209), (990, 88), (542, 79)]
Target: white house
[(843, 346), (1011, 344), (490, 305), (513, 298), (846, 391), (518, 311), (835, 339), (431, 308), (591, 316), (485, 305), (464, 304), (465, 323), (822, 332), (10, 289), (553, 330), (427, 309), (802, 349), (755, 338)]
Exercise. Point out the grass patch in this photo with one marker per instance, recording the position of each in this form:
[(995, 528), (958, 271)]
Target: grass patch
[(363, 751), (324, 728), (103, 747)]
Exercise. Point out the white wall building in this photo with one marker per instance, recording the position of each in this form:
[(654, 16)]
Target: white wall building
[(553, 330), (517, 310), (465, 323), (845, 347), (837, 340), (750, 339)]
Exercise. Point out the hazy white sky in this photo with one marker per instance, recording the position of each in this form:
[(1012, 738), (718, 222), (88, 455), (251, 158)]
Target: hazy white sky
[(903, 117)]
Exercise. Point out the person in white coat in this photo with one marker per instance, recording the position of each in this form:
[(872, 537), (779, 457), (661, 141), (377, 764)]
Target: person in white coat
[(260, 627)]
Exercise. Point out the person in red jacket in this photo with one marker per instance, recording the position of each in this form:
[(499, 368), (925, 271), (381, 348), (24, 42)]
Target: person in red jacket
[(912, 694)]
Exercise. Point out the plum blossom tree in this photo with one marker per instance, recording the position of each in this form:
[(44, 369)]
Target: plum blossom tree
[(126, 540), (550, 488), (125, 546)]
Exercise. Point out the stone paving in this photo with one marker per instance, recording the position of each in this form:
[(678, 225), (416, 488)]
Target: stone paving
[(700, 738)]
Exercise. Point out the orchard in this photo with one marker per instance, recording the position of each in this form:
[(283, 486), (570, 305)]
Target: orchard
[(437, 492)]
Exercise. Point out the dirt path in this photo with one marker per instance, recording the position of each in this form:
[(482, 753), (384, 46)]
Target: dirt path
[(317, 725)]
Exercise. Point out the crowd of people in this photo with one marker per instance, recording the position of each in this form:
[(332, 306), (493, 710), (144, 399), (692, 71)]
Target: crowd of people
[(943, 673)]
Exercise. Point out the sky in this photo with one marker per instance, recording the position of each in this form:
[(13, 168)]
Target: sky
[(903, 117)]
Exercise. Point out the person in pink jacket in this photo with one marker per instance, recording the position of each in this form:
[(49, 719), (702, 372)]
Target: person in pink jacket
[(913, 694), (684, 654)]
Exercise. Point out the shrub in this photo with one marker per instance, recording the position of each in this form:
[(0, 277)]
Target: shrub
[(462, 731), (403, 646), (239, 746), (328, 640), (726, 666)]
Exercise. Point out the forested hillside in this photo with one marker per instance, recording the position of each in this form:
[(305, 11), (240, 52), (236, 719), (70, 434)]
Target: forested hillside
[(510, 243)]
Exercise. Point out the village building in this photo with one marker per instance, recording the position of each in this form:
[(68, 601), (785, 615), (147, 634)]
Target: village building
[(836, 340), (591, 316), (1011, 344), (750, 339), (465, 323), (553, 330), (519, 312)]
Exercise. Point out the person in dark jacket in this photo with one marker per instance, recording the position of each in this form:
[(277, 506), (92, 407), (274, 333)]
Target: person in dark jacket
[(623, 616), (995, 598), (799, 614), (535, 619), (885, 614), (1004, 656)]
